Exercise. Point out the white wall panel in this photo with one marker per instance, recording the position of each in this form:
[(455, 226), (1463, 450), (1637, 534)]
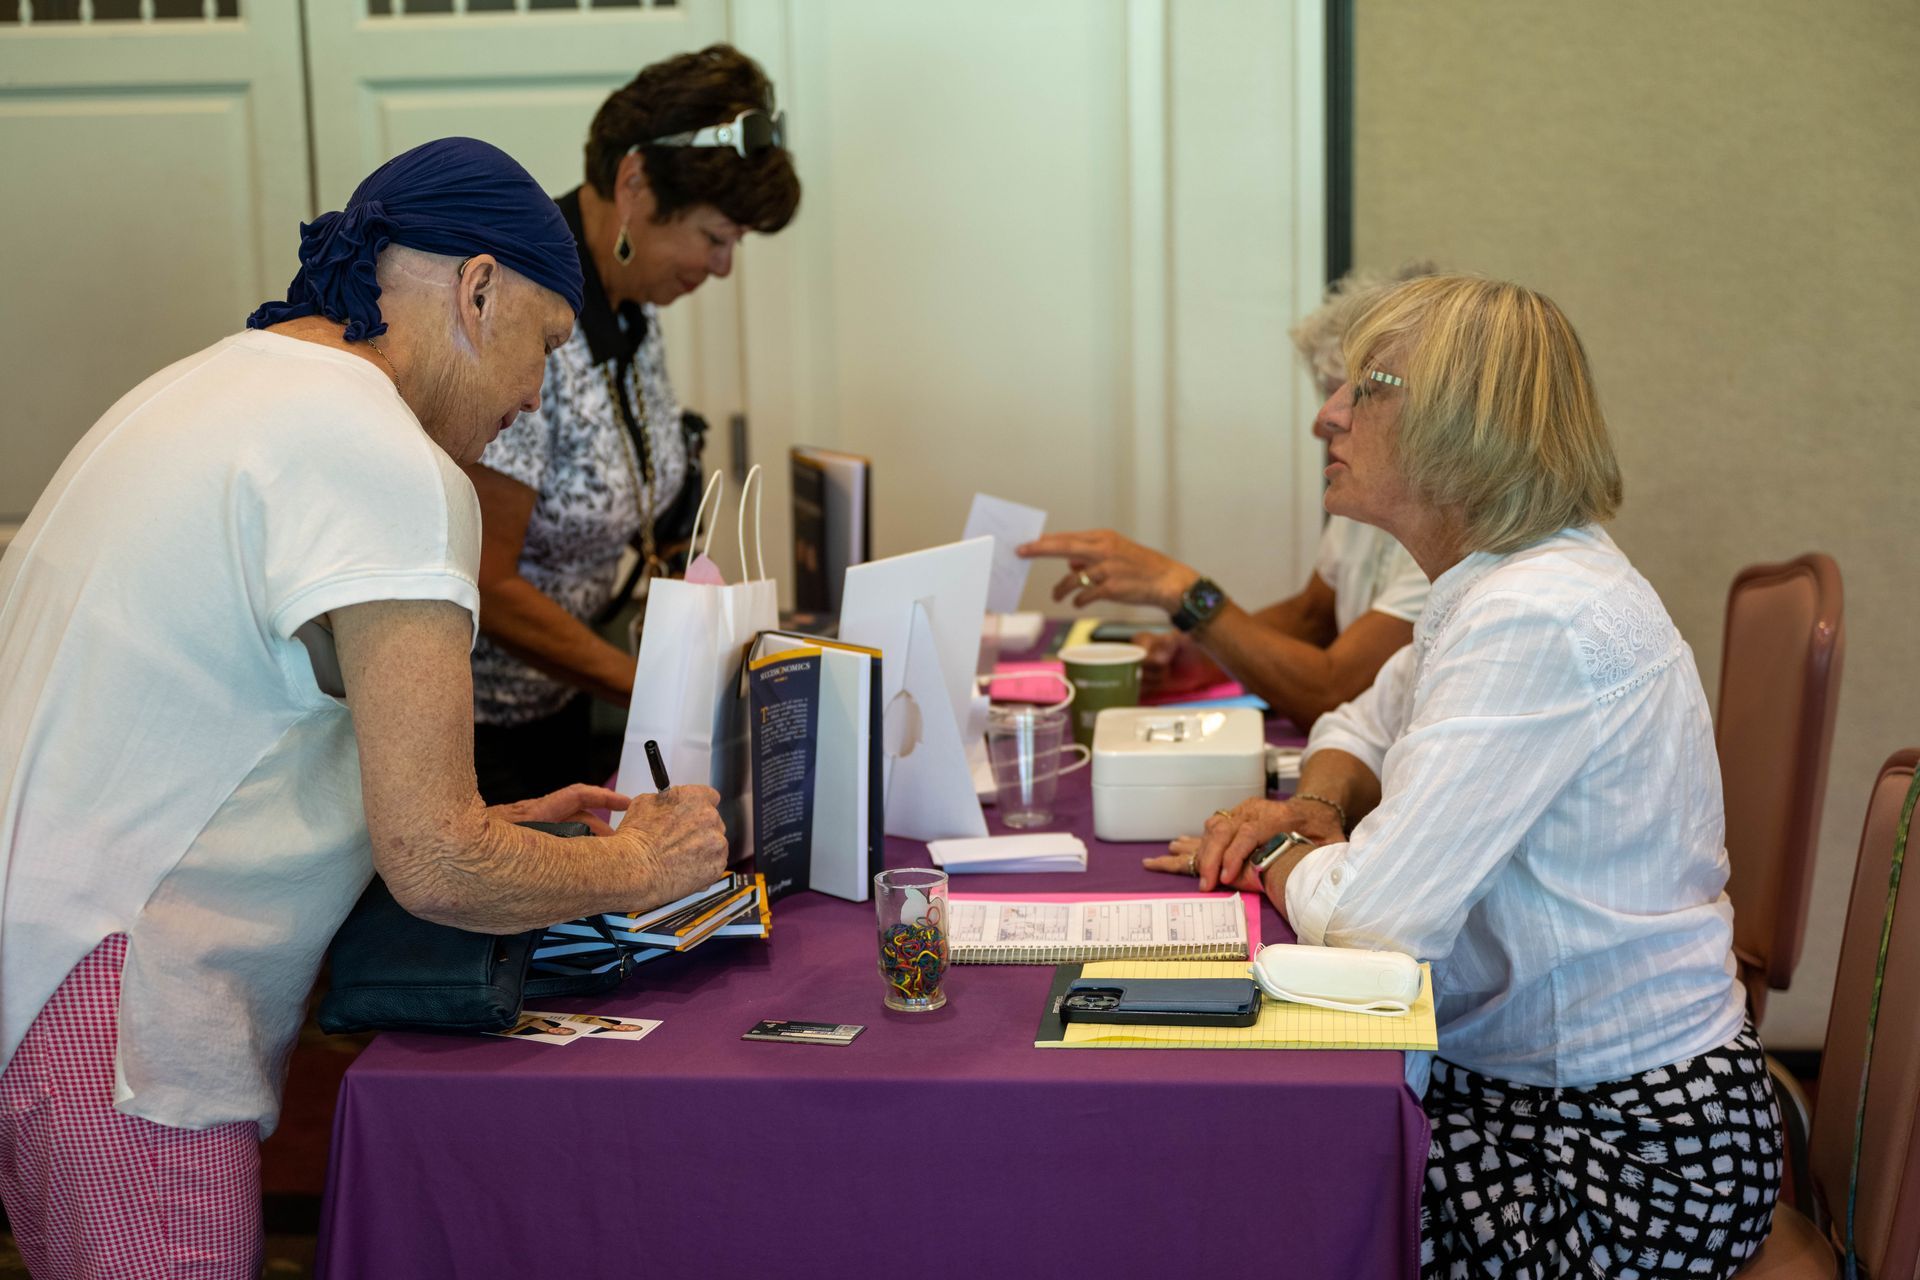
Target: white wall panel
[(977, 291)]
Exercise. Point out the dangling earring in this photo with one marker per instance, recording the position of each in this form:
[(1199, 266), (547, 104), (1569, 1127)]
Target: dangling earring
[(623, 247)]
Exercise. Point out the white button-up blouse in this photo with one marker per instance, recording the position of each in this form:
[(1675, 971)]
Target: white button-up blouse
[(1550, 831)]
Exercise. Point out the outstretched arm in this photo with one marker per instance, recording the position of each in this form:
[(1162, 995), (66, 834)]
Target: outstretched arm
[(1288, 653), (448, 857)]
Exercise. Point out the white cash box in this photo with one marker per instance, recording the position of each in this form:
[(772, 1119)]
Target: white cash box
[(1159, 773)]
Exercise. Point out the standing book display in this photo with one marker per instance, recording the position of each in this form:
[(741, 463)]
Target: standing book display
[(924, 612), (816, 765)]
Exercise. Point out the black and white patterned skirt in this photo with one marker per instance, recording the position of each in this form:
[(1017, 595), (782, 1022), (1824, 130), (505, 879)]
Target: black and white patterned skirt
[(1672, 1173)]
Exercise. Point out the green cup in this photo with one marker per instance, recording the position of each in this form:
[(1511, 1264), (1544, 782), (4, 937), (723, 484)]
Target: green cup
[(1104, 675)]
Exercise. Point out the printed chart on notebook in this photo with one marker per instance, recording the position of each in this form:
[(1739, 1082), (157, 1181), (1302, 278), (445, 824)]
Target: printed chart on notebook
[(1034, 930)]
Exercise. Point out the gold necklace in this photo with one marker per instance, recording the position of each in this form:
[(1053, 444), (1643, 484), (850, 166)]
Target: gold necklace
[(640, 434), (395, 373)]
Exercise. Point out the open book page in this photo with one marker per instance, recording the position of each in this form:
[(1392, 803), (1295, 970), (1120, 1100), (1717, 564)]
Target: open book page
[(1015, 931), (1282, 1024)]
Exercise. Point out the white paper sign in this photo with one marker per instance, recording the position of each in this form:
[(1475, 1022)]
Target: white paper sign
[(1009, 525)]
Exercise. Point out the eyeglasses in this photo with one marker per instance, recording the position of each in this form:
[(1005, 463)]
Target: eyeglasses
[(749, 133)]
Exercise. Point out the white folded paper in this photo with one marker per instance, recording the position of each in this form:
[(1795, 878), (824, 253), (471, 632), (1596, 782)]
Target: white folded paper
[(1040, 851)]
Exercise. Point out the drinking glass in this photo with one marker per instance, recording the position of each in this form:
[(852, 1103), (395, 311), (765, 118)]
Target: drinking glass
[(911, 903), (1024, 746)]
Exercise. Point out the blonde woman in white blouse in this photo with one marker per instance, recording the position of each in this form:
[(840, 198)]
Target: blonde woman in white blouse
[(1527, 797)]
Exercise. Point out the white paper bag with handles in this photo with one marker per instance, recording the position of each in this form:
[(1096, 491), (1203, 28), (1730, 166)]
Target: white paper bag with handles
[(686, 681)]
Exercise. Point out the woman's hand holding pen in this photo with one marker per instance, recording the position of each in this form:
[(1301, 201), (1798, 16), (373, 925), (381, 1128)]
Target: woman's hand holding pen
[(681, 831), (693, 838), (677, 831)]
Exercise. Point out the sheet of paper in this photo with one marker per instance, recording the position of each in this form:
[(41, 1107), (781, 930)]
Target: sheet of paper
[(1191, 921), (1037, 851), (1282, 1025), (1009, 524)]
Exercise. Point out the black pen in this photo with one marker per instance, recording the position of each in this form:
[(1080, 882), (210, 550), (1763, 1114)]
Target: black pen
[(659, 766)]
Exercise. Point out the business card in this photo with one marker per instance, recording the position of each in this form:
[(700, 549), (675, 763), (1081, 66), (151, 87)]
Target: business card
[(804, 1032)]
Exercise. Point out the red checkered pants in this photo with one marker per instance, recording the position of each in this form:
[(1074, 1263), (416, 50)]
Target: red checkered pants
[(92, 1193)]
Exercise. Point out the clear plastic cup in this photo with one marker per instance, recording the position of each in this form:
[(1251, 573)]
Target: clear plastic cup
[(1024, 745)]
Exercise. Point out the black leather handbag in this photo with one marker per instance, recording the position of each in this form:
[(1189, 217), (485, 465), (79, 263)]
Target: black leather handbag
[(392, 971)]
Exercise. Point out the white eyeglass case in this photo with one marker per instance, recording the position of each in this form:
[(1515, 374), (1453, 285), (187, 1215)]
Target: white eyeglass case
[(1160, 772), (1385, 983)]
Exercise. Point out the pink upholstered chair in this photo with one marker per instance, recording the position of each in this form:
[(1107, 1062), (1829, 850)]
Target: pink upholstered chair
[(1779, 687), (1887, 1216)]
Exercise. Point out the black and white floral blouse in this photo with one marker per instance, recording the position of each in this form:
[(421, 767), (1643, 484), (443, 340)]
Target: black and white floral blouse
[(575, 452)]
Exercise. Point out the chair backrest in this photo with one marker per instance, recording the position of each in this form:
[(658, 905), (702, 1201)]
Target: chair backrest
[(1887, 1219), (1779, 688)]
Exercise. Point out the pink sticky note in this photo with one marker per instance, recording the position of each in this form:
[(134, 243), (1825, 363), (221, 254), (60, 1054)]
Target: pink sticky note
[(1027, 681)]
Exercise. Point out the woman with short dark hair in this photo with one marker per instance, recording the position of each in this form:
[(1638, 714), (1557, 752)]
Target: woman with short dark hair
[(681, 164), (1528, 797)]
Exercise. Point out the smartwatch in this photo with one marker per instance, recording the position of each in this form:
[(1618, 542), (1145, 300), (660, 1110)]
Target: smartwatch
[(1199, 604), (1273, 850)]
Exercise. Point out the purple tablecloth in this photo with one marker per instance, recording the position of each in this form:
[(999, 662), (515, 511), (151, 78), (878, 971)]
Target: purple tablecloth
[(935, 1145)]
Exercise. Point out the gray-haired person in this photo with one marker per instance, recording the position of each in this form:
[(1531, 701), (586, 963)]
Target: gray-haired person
[(235, 629), (1305, 654)]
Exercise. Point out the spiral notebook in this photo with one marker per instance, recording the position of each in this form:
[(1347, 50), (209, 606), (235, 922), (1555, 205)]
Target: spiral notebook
[(1062, 928)]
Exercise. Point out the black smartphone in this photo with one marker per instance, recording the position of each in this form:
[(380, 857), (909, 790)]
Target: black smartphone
[(1169, 1002)]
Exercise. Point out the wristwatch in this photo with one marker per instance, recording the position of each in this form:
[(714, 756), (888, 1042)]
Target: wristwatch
[(1275, 849), (1199, 604)]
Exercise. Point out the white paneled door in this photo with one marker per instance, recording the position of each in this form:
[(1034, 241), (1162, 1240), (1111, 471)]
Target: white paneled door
[(155, 161), (527, 76), (1047, 250)]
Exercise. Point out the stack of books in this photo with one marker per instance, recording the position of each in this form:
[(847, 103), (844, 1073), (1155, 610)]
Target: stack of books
[(734, 906)]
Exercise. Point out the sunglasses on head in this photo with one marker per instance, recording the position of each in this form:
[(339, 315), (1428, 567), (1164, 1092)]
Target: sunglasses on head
[(749, 133)]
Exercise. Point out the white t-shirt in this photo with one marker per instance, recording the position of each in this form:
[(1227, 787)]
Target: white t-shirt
[(1368, 571), (1550, 828), (171, 765)]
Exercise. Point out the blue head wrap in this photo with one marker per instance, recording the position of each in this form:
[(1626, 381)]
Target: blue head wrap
[(456, 196)]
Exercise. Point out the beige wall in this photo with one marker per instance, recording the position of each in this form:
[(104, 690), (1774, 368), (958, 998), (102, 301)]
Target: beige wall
[(1725, 197)]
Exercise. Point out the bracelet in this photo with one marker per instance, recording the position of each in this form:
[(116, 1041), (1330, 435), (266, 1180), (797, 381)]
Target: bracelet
[(1334, 805)]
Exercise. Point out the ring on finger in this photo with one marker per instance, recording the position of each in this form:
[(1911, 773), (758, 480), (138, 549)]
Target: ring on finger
[(1193, 864), (1086, 579), (1222, 813)]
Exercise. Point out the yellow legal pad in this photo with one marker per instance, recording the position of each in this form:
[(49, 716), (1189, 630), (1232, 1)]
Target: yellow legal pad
[(1282, 1025)]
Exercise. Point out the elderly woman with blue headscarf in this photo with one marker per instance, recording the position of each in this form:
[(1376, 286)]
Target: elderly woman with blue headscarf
[(236, 630)]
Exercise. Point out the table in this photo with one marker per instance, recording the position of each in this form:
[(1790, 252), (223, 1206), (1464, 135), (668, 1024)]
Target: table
[(936, 1145)]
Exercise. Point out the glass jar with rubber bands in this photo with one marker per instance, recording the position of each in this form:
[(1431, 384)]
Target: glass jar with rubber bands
[(911, 903)]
